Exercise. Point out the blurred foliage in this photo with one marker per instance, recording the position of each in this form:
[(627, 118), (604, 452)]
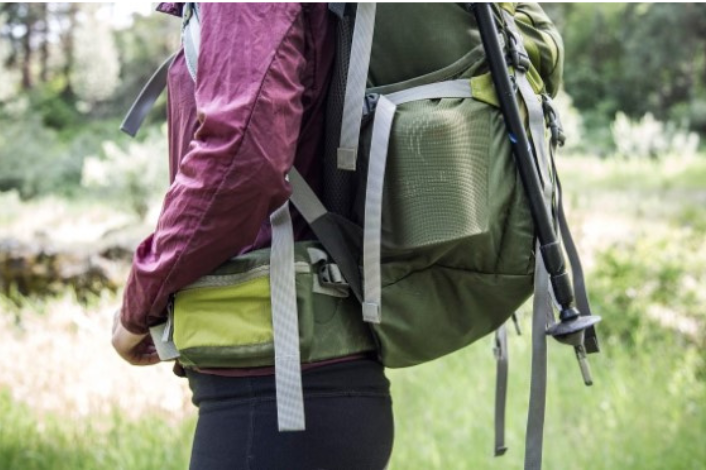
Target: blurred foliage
[(133, 174), (634, 84), (650, 286), (650, 138), (635, 58), (67, 75)]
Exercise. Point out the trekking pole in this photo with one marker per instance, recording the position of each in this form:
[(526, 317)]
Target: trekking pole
[(570, 330)]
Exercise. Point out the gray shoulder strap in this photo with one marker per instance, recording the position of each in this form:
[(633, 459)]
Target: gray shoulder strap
[(145, 100), (191, 38)]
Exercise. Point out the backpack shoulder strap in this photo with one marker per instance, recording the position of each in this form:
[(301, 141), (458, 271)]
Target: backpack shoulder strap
[(191, 37)]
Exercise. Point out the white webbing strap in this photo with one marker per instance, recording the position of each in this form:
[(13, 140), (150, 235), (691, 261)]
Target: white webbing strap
[(285, 324), (372, 230), (191, 38), (304, 199), (534, 106), (355, 86)]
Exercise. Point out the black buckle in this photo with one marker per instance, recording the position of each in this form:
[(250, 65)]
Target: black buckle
[(370, 102), (553, 122), (518, 59), (330, 276)]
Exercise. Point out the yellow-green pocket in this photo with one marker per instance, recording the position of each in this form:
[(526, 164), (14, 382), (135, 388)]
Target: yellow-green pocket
[(229, 315)]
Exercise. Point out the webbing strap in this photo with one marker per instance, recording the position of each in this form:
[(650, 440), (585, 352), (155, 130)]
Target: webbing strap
[(191, 38), (304, 199), (541, 315), (285, 324), (534, 107), (145, 100), (355, 86), (501, 371), (580, 290), (372, 230)]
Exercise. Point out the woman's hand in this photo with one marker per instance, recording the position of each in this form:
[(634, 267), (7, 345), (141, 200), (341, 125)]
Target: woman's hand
[(138, 350)]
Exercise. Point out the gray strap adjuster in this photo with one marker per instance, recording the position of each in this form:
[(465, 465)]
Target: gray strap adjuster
[(328, 280)]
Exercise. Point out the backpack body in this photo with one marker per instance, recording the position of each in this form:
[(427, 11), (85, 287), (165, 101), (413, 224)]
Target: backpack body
[(425, 224), (456, 236)]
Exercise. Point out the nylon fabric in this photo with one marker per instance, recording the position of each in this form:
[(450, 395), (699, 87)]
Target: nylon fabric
[(203, 314), (290, 398), (441, 230), (355, 87), (372, 232), (215, 315)]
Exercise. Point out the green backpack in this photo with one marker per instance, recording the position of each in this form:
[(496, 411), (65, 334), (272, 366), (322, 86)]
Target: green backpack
[(424, 218)]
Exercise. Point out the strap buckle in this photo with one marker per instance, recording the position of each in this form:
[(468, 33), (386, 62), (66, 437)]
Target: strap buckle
[(330, 276), (370, 103), (553, 121), (517, 57)]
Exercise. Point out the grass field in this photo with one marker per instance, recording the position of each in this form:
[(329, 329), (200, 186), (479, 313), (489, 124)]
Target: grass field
[(67, 403)]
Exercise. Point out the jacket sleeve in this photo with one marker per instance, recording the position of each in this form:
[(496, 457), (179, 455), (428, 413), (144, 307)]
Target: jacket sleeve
[(543, 43), (249, 109)]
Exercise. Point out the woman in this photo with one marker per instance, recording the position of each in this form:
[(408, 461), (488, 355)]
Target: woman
[(254, 111)]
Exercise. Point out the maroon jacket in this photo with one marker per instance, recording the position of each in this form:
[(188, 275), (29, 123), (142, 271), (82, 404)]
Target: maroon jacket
[(256, 109)]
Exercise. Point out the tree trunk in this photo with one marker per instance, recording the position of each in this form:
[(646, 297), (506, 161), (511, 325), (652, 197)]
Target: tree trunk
[(27, 50), (44, 45), (68, 44)]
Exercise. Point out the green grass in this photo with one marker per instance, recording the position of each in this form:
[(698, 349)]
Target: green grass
[(647, 409), (28, 442)]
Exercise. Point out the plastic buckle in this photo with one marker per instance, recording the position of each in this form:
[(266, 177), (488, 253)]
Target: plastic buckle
[(330, 276), (553, 122), (518, 59), (370, 102)]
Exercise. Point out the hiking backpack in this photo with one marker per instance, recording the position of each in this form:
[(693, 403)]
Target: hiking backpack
[(425, 216)]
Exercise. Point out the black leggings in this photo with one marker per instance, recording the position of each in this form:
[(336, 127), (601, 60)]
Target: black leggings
[(348, 411)]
